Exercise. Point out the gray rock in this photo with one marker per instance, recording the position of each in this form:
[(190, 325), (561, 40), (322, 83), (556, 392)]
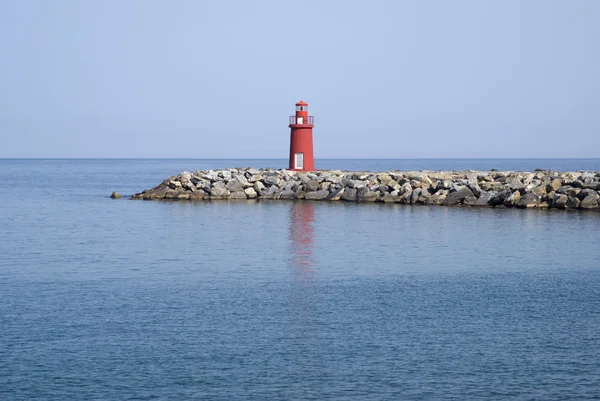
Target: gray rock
[(349, 195), (572, 202), (287, 194), (347, 182), (384, 178), (513, 199), (259, 187), (470, 200), (316, 195), (272, 180), (560, 201), (241, 178), (336, 194), (475, 189), (529, 200), (388, 198), (405, 188), (540, 190), (335, 179), (577, 184), (590, 201), (234, 186), (219, 193), (218, 184), (361, 192), (255, 178), (515, 185), (199, 195), (250, 193), (237, 195), (414, 196), (252, 171), (484, 199), (203, 185), (325, 185), (312, 185), (454, 198), (554, 185), (174, 184), (498, 198), (585, 193), (115, 195), (370, 196)]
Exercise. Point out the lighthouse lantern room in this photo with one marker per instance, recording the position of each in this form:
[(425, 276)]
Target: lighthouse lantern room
[(301, 140)]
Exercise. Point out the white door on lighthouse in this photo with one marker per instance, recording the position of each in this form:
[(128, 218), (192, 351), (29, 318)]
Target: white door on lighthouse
[(300, 120), (299, 162)]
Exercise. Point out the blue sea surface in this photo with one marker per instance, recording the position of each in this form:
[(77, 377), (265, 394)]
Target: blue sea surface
[(106, 299)]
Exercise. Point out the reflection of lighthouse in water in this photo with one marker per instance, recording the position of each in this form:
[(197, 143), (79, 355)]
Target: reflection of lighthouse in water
[(302, 217)]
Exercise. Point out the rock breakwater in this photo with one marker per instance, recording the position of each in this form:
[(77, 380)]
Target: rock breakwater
[(538, 189)]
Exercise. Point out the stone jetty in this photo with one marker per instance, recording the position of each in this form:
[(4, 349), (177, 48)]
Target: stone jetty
[(538, 189)]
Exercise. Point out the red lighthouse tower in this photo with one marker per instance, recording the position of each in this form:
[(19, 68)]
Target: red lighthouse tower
[(301, 139)]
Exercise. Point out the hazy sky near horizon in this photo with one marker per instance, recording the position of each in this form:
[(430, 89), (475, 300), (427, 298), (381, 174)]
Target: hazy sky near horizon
[(218, 79)]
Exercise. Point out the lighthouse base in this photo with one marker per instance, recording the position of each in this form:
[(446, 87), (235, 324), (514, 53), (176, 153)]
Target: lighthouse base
[(301, 148)]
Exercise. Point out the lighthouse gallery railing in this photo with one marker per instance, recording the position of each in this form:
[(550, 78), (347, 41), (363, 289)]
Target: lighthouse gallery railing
[(301, 121)]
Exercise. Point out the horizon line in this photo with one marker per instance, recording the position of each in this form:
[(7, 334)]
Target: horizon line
[(281, 158)]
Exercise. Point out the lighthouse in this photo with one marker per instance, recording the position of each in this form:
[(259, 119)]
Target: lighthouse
[(301, 139)]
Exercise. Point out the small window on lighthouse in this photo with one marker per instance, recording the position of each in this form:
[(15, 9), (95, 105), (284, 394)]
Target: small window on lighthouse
[(301, 108), (299, 162)]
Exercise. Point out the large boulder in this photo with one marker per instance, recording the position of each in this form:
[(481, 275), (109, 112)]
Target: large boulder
[(219, 193), (560, 201), (312, 185), (484, 199), (554, 185), (529, 200), (384, 178), (438, 198), (470, 200), (370, 196), (513, 199), (250, 193), (287, 194), (234, 186), (272, 180), (259, 187), (572, 202), (456, 197), (316, 195), (237, 195), (590, 201), (349, 195), (414, 196), (335, 194), (499, 197)]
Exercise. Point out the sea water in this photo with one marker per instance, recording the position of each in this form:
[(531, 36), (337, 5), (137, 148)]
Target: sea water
[(106, 299)]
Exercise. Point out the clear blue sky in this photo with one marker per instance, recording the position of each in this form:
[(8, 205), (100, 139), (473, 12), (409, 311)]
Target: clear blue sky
[(218, 79)]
